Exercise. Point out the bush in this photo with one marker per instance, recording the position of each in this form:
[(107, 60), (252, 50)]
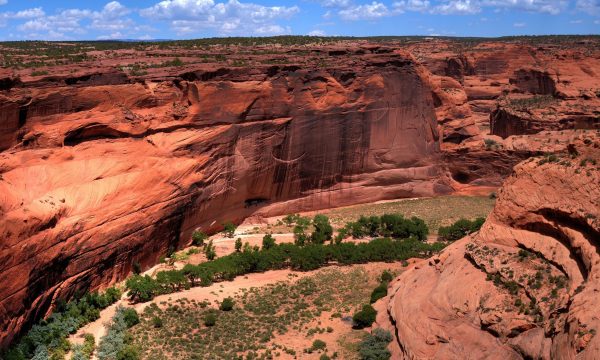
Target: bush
[(379, 292), (238, 244), (227, 304), (210, 319), (268, 242), (365, 317), (130, 316), (460, 229), (374, 345), (210, 251), (137, 268), (116, 340), (318, 345), (129, 352), (157, 322), (229, 229), (386, 277), (198, 238)]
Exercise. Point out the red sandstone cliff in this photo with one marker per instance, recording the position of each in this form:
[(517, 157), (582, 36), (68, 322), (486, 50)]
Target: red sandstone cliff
[(526, 286), (101, 171)]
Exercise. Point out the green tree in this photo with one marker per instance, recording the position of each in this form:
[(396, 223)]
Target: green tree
[(198, 238), (209, 251), (141, 288), (229, 229), (268, 242), (238, 244), (323, 230)]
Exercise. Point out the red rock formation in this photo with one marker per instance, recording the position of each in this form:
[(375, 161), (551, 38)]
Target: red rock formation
[(100, 176), (526, 285)]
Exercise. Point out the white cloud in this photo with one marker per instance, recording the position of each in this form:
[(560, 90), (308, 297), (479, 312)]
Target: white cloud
[(519, 24), (317, 32), (463, 7), (370, 11), (588, 6), (335, 3), (39, 25), (3, 2), (579, 21), (233, 16), (412, 5), (543, 6)]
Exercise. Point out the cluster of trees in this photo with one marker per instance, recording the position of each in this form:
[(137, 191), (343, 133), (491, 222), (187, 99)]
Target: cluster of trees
[(276, 256), (460, 229), (48, 338), (321, 229), (117, 344), (387, 225)]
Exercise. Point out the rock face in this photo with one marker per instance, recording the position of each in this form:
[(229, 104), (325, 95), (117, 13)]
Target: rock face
[(524, 287), (102, 172)]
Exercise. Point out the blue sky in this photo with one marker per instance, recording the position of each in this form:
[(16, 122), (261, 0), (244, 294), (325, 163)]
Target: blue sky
[(184, 19)]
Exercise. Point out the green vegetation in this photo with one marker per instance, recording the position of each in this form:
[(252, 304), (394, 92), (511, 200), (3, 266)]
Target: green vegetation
[(374, 345), (238, 245), (117, 344), (227, 304), (268, 242), (229, 229), (84, 352), (259, 323), (48, 338), (303, 258), (388, 225), (210, 251), (460, 229), (534, 102), (437, 211), (198, 238), (365, 317)]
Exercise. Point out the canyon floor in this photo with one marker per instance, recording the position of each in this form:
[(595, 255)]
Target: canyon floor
[(343, 289)]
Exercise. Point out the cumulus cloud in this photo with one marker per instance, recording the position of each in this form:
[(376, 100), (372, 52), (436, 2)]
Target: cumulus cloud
[(370, 11), (66, 23), (229, 17), (463, 7), (412, 5)]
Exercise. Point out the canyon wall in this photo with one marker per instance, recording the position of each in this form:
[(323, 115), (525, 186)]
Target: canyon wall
[(100, 171)]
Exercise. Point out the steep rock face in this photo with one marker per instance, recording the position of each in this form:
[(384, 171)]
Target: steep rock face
[(534, 81), (526, 285), (100, 176)]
